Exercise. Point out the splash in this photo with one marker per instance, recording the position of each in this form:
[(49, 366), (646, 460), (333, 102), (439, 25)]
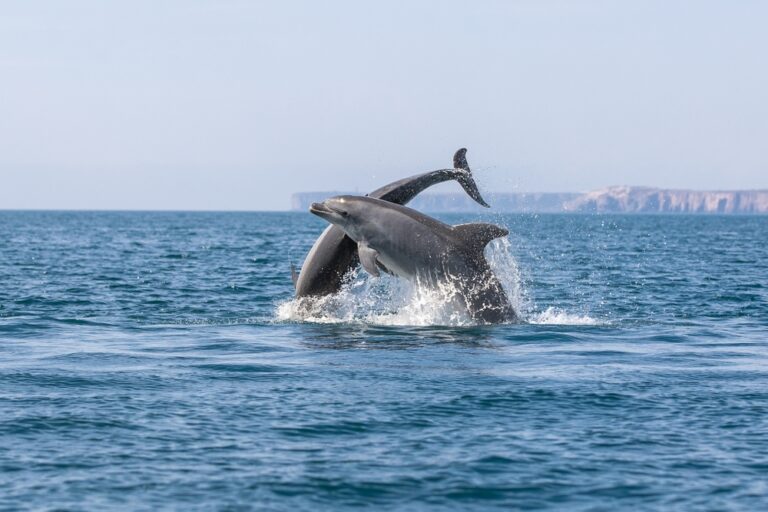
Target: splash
[(501, 259), (554, 316), (392, 301), (383, 301)]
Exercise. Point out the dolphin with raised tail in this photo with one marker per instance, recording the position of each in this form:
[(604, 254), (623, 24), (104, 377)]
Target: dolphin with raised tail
[(404, 242), (334, 254)]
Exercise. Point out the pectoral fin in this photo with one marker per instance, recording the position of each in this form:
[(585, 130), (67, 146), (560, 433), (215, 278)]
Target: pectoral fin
[(294, 275), (368, 259)]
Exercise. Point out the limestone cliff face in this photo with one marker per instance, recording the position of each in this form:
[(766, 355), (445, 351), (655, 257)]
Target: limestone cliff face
[(654, 200), (607, 200)]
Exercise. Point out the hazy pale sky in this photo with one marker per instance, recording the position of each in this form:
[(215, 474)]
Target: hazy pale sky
[(183, 104)]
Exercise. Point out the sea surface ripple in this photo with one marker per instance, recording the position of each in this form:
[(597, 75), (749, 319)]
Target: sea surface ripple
[(147, 362)]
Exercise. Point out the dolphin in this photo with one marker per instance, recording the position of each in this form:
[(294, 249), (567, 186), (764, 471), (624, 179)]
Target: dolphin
[(404, 242), (333, 255)]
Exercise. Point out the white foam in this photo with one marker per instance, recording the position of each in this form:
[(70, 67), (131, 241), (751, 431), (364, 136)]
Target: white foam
[(392, 301), (382, 301), (554, 316)]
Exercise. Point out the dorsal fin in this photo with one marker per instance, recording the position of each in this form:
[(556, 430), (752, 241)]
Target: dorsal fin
[(477, 234)]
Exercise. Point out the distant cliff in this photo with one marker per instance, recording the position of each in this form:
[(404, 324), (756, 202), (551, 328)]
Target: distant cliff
[(608, 200), (656, 200)]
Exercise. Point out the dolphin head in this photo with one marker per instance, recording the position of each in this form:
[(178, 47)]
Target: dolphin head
[(343, 211)]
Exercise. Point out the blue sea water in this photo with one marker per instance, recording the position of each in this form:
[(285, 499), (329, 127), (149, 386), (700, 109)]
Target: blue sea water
[(155, 361)]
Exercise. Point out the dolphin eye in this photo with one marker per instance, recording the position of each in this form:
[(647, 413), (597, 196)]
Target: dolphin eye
[(344, 213)]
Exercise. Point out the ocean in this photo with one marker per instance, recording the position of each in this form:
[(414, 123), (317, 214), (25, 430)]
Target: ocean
[(156, 361)]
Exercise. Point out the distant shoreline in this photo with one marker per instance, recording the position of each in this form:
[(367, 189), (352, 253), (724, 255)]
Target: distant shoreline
[(618, 199), (610, 200), (302, 212)]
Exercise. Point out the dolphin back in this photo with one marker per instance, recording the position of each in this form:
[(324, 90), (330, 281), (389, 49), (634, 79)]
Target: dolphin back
[(486, 299)]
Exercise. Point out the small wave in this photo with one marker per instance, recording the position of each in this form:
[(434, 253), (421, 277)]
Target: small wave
[(554, 316)]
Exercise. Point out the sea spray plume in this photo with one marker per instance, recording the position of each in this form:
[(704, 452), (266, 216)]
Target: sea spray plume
[(401, 241), (333, 255), (502, 261)]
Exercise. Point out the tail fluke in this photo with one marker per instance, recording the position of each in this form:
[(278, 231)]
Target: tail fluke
[(460, 160), (465, 178)]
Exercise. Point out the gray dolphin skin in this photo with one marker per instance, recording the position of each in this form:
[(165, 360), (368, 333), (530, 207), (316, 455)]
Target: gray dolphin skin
[(333, 255), (404, 242)]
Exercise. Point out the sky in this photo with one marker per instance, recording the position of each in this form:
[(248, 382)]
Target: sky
[(234, 105)]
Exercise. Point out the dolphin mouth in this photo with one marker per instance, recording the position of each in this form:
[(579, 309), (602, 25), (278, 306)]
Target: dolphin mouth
[(321, 208)]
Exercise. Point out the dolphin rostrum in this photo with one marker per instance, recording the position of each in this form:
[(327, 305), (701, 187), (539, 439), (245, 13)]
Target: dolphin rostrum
[(404, 242), (333, 255)]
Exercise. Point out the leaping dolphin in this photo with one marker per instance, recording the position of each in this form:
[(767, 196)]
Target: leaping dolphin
[(333, 255), (402, 241)]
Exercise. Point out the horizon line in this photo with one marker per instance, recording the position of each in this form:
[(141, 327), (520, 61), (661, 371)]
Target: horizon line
[(451, 212)]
